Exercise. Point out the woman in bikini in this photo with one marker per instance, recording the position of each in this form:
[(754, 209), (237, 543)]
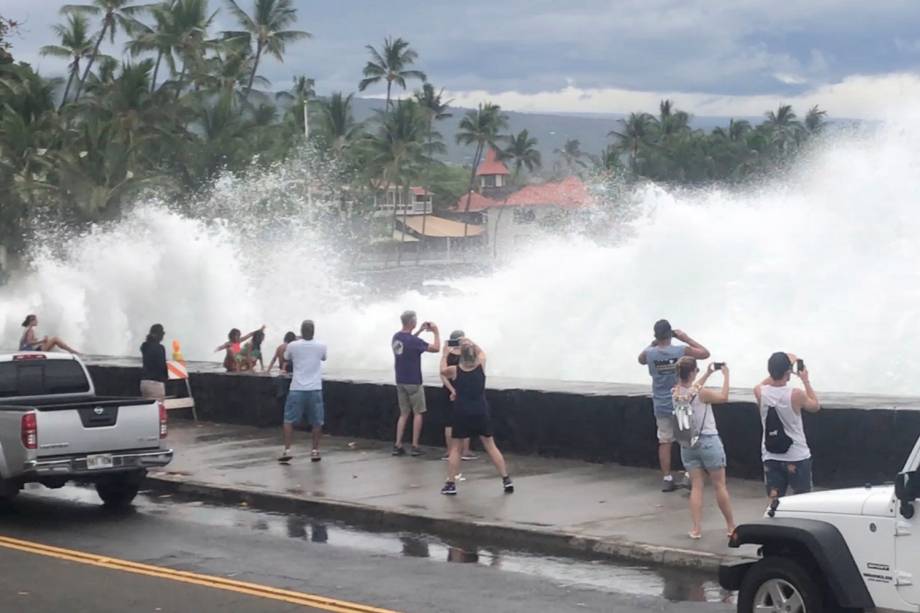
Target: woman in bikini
[(29, 340)]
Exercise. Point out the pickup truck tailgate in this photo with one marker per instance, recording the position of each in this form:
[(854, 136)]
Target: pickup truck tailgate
[(101, 426)]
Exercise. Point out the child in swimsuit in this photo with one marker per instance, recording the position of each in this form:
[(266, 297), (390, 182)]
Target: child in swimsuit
[(234, 358)]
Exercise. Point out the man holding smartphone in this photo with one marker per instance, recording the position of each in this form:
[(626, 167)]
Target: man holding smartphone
[(661, 358), (784, 449), (407, 353)]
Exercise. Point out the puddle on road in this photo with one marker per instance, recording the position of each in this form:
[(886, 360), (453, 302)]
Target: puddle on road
[(597, 573)]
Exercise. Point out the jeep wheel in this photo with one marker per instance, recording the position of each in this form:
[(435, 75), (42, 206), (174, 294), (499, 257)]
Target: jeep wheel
[(118, 492), (779, 585)]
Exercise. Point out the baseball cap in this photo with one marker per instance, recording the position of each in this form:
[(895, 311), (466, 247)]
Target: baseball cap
[(457, 335), (779, 364)]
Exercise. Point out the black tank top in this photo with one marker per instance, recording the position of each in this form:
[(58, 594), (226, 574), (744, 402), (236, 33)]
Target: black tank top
[(471, 391)]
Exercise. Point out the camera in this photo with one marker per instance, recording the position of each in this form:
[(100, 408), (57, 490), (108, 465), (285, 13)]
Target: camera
[(718, 365), (454, 342), (799, 365)]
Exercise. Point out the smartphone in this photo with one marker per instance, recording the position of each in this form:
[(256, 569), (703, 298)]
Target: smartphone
[(799, 365), (718, 365), (454, 342)]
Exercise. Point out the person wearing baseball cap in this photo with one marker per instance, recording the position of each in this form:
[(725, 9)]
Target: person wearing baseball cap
[(661, 359)]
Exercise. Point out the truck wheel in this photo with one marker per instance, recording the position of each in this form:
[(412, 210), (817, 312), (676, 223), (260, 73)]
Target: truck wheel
[(779, 585), (118, 492)]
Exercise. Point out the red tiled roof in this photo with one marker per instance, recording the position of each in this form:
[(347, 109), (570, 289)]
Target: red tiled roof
[(478, 202), (570, 193), (420, 191), (491, 165)]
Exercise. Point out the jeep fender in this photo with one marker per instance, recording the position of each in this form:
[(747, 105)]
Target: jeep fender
[(820, 539)]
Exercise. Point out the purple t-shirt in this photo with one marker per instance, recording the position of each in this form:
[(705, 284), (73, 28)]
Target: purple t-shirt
[(407, 351)]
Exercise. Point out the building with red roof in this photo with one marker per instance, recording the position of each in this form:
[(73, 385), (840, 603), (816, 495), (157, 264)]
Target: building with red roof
[(492, 174)]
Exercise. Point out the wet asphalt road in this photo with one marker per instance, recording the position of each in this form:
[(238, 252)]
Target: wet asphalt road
[(399, 572)]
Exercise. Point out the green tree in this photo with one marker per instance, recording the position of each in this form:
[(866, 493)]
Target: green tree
[(480, 128), (636, 132), (573, 158), (392, 66), (115, 14), (814, 120), (75, 45), (784, 128), (266, 26), (337, 127), (434, 108), (522, 152)]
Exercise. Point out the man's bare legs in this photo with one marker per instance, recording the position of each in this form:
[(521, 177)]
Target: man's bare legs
[(317, 435), (664, 458), (417, 421), (401, 428)]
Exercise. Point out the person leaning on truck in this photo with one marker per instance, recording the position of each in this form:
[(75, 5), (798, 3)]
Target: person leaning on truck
[(786, 456), (153, 369)]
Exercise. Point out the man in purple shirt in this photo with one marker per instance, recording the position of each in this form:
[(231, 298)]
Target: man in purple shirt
[(407, 353)]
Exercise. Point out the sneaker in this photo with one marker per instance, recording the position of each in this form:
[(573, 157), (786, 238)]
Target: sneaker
[(286, 456), (398, 450), (314, 456), (449, 489), (459, 477), (508, 485), (469, 457), (668, 484), (416, 452)]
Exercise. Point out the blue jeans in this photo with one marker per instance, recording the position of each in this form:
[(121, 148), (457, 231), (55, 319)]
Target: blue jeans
[(779, 476), (299, 402), (708, 455)]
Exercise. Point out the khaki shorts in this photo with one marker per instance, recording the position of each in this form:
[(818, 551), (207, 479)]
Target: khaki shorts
[(153, 389), (411, 398), (665, 428)]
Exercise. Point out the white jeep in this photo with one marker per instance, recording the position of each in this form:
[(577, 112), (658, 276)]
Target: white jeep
[(842, 550)]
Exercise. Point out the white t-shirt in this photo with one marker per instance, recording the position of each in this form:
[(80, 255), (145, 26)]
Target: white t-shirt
[(307, 357)]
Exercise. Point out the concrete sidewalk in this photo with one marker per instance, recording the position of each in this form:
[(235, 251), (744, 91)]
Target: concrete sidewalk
[(562, 505)]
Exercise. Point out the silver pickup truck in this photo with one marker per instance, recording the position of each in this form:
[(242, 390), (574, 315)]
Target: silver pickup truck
[(55, 429)]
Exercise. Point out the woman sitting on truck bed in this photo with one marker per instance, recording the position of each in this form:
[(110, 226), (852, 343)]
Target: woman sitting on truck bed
[(233, 359), (29, 341)]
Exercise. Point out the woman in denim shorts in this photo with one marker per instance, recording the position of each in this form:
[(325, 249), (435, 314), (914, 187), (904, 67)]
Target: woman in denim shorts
[(705, 454)]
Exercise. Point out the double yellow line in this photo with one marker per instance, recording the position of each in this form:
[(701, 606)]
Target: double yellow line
[(220, 583)]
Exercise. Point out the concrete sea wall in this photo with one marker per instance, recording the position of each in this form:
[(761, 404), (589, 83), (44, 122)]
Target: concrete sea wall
[(853, 440)]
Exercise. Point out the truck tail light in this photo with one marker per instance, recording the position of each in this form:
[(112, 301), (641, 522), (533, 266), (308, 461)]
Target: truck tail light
[(164, 429), (29, 431)]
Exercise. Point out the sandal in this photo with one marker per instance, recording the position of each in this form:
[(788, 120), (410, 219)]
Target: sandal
[(695, 535)]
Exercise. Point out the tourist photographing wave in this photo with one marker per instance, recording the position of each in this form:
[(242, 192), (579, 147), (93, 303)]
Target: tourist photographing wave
[(830, 252)]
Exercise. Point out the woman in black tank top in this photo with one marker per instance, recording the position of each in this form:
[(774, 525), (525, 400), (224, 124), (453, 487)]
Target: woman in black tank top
[(471, 409), (453, 358)]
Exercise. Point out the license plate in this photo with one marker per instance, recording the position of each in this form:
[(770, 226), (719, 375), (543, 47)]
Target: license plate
[(95, 462)]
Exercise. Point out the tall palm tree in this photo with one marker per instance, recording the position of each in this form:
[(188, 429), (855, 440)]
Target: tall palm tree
[(267, 26), (635, 131), (480, 128), (115, 14), (155, 38), (522, 152), (75, 45), (434, 108), (392, 66), (337, 124), (671, 122), (784, 127), (572, 155), (299, 98)]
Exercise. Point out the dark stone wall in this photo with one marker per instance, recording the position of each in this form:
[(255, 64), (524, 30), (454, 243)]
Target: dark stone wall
[(850, 446)]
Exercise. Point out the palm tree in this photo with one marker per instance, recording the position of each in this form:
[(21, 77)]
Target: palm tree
[(434, 109), (299, 98), (267, 26), (480, 128), (522, 152), (636, 131), (390, 66), (814, 119), (155, 38), (784, 128), (337, 124), (572, 155), (115, 14), (75, 45)]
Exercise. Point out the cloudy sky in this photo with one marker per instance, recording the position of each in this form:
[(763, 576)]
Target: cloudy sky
[(856, 58)]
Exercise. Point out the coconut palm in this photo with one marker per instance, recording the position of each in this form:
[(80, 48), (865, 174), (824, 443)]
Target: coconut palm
[(814, 119), (75, 45), (390, 65), (337, 125), (480, 128), (522, 152), (434, 108), (671, 122), (572, 155), (266, 26), (636, 131), (115, 14), (298, 99), (784, 128)]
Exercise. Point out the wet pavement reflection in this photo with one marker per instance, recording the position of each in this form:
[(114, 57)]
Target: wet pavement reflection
[(603, 574)]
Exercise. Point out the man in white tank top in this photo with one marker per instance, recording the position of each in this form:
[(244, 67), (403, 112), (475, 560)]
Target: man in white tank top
[(784, 448)]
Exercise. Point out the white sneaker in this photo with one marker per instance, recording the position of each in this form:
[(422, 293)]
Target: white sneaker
[(285, 456)]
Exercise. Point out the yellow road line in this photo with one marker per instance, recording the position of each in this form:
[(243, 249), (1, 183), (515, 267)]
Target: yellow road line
[(220, 583)]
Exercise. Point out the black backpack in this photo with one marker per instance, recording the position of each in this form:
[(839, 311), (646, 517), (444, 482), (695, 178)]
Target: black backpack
[(775, 438)]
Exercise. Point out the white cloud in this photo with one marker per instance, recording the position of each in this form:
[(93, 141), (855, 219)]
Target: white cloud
[(856, 97)]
